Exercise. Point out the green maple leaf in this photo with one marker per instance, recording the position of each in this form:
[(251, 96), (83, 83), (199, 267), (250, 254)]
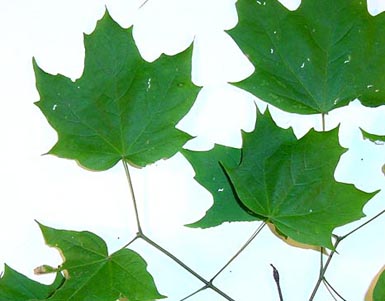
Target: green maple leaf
[(314, 59), (17, 287), (122, 107), (209, 173), (93, 274), (291, 182), (379, 289)]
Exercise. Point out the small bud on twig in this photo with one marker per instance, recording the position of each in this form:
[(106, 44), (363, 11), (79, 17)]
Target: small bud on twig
[(276, 278)]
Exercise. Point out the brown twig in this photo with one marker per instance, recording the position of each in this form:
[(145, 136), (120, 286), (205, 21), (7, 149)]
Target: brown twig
[(276, 279)]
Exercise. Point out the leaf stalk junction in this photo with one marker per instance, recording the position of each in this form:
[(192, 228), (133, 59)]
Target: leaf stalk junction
[(208, 284), (324, 267)]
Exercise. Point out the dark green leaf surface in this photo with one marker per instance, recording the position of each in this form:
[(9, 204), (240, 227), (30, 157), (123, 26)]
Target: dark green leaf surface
[(316, 58), (122, 106), (94, 275), (17, 287), (291, 182), (379, 289), (210, 174)]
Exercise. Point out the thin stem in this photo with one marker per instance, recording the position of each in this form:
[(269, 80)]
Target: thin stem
[(143, 4), (128, 176), (321, 260), (178, 261), (338, 240), (321, 274), (364, 224), (331, 288), (260, 227), (194, 293), (130, 242), (208, 284), (323, 122), (324, 268), (276, 279), (141, 235), (330, 291)]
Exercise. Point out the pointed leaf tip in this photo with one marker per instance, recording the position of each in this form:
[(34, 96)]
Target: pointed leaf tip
[(301, 65), (122, 106), (291, 183), (377, 139), (90, 270), (209, 172)]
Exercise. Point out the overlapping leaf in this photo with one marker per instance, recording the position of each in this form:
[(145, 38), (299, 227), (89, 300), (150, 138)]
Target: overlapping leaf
[(293, 185), (122, 107), (93, 274), (17, 287), (208, 167), (287, 182), (316, 58)]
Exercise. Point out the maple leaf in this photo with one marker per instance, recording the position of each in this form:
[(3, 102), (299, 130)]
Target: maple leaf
[(291, 182), (317, 58), (287, 182), (122, 107), (93, 274), (17, 287), (209, 173)]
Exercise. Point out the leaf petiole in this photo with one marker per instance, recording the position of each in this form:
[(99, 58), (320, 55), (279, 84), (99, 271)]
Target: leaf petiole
[(332, 290), (337, 242), (208, 284), (256, 232), (140, 234), (194, 293), (128, 176), (323, 122)]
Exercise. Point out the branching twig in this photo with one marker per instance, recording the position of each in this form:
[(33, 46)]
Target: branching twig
[(324, 268), (194, 293), (141, 235), (332, 290), (208, 284), (337, 242), (130, 242)]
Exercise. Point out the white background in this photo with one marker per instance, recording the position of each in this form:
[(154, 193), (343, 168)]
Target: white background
[(58, 193)]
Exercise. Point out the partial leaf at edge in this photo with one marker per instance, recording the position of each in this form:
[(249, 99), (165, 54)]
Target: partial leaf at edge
[(209, 172), (122, 107), (379, 289), (314, 59), (93, 273), (17, 287), (372, 137)]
